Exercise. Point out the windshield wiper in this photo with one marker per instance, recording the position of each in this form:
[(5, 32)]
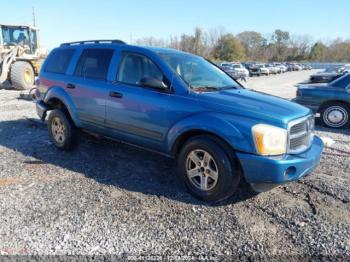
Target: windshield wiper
[(205, 88), (228, 87)]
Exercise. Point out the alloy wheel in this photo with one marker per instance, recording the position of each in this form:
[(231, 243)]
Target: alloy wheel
[(202, 170)]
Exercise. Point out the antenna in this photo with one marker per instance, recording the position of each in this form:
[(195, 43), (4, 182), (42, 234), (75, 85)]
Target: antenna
[(33, 13)]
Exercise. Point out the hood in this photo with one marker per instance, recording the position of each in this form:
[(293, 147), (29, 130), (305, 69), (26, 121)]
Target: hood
[(251, 104)]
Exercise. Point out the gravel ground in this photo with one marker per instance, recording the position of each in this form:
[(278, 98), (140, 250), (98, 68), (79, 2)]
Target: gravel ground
[(110, 198)]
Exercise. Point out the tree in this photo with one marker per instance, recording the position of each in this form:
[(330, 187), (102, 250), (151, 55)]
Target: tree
[(299, 48), (252, 42), (229, 48), (318, 52), (280, 39), (339, 51), (151, 41), (193, 43), (215, 43)]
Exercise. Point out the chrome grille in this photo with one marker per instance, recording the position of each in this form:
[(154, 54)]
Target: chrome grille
[(300, 134)]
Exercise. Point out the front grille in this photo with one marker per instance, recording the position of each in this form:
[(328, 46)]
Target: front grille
[(300, 134)]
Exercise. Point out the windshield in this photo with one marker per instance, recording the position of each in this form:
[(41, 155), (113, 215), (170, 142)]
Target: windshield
[(198, 73), (15, 35)]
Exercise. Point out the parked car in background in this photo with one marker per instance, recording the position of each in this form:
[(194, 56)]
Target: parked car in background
[(324, 77), (258, 70), (181, 106), (297, 67), (331, 100), (236, 70), (329, 75), (273, 69), (251, 68), (294, 67), (282, 67)]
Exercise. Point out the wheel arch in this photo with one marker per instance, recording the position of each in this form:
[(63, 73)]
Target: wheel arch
[(211, 125), (187, 135), (334, 101), (58, 98)]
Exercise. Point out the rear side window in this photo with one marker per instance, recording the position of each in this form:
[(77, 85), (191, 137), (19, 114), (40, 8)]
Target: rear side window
[(59, 61), (342, 82), (94, 63)]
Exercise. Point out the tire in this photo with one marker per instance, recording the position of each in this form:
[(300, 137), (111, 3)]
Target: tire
[(221, 165), (22, 75), (61, 130), (335, 115)]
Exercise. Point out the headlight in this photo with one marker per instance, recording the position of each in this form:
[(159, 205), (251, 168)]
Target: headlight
[(270, 140)]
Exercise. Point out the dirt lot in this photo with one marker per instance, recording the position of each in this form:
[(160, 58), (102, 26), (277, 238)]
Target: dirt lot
[(109, 198), (280, 85)]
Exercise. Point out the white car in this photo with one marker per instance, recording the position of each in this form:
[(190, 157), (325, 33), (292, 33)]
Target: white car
[(273, 69), (263, 70), (236, 70), (282, 67), (298, 67)]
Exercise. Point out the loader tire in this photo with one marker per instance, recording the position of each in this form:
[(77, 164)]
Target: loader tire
[(22, 75)]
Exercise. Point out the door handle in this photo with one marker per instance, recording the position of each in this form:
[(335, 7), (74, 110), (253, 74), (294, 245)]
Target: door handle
[(115, 94), (70, 86)]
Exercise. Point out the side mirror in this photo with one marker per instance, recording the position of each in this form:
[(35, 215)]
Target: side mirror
[(153, 82)]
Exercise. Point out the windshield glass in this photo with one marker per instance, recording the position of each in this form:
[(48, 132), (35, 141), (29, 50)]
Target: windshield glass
[(198, 73), (15, 35)]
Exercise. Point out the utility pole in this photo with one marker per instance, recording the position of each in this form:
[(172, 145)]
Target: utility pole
[(33, 13)]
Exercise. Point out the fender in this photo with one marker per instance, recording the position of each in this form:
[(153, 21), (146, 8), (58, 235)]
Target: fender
[(60, 94), (213, 123)]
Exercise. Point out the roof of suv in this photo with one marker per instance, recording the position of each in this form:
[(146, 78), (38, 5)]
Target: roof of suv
[(105, 43)]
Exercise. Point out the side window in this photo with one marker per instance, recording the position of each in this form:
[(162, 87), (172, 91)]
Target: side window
[(342, 82), (94, 63), (59, 60), (33, 44), (134, 67)]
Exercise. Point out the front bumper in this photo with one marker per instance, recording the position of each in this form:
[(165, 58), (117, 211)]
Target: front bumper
[(41, 110), (263, 172)]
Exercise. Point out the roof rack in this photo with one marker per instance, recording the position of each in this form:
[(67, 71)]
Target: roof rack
[(115, 41)]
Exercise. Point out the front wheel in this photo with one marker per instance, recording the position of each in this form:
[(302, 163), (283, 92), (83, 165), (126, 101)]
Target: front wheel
[(61, 130), (208, 169), (335, 115), (22, 75)]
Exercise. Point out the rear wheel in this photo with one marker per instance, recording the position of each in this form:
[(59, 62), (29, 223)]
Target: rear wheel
[(208, 170), (335, 115), (61, 130), (22, 75)]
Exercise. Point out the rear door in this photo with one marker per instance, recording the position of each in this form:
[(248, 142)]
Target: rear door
[(88, 86)]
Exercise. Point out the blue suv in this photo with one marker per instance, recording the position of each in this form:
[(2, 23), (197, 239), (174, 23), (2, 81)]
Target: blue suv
[(179, 105)]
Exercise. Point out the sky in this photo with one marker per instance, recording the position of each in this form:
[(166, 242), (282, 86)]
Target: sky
[(71, 20)]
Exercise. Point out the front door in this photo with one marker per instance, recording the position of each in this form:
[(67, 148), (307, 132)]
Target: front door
[(136, 113)]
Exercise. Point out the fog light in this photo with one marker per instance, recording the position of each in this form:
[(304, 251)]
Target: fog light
[(290, 171)]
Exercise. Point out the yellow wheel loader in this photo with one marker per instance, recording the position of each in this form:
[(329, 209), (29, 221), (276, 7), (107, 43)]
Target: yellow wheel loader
[(20, 56)]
